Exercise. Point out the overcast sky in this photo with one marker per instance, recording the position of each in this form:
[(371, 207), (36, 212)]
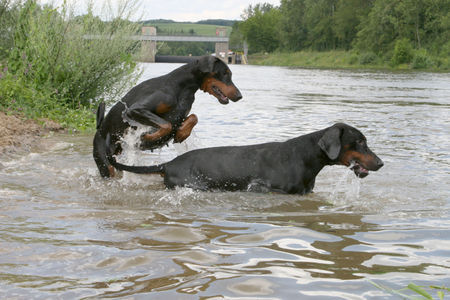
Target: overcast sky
[(177, 10), (196, 10)]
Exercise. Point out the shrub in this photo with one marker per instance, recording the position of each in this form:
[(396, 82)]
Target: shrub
[(16, 96), (8, 14), (421, 60), (403, 52), (445, 50), (353, 59), (59, 67), (367, 58)]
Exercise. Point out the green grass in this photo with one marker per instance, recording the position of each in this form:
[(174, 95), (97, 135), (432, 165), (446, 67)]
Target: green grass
[(311, 59), (337, 59), (199, 29), (415, 292)]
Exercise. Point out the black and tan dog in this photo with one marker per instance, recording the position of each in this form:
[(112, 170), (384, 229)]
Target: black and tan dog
[(163, 103), (287, 167)]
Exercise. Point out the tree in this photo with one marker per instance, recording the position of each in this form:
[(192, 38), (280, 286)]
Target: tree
[(347, 18), (260, 27), (379, 30), (423, 22), (436, 25), (319, 24), (372, 26), (293, 31), (236, 38)]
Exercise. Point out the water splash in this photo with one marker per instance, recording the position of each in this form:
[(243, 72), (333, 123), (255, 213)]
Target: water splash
[(131, 153), (347, 189)]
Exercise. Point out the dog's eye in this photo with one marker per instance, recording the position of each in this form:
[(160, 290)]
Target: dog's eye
[(361, 142)]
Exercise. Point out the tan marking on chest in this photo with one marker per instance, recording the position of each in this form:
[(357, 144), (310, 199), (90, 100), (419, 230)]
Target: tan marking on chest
[(162, 108)]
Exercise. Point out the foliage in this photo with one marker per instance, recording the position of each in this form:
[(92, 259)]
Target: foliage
[(315, 59), (372, 28), (176, 28), (422, 22), (215, 22), (421, 60), (8, 14), (346, 20), (150, 22), (185, 49), (443, 61), (219, 22), (236, 42), (403, 52), (260, 27), (346, 59), (367, 58), (319, 24), (53, 67), (377, 31), (17, 96), (319, 19), (293, 31)]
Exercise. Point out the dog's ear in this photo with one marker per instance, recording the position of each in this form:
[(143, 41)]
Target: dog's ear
[(206, 63), (330, 142)]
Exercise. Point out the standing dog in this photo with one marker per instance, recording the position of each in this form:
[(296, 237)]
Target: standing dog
[(163, 103), (287, 167)]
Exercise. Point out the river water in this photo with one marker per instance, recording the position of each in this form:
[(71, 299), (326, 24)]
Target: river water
[(66, 233)]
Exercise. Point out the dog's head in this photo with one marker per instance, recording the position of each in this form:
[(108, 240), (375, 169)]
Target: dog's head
[(346, 145), (216, 79)]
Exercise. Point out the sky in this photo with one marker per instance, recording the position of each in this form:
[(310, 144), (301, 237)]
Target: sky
[(177, 10), (196, 10)]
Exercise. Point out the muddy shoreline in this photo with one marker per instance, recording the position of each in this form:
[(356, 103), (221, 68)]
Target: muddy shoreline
[(19, 134)]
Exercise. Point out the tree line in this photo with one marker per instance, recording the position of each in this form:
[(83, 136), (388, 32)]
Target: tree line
[(372, 26)]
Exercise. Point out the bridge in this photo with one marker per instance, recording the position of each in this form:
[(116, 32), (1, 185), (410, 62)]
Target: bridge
[(149, 39)]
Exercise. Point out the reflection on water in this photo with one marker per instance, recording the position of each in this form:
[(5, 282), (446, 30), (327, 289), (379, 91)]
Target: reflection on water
[(66, 233)]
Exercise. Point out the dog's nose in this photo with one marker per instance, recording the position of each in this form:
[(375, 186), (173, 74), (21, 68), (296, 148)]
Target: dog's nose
[(379, 163), (238, 95)]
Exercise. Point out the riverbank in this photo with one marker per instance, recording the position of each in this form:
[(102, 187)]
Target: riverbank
[(18, 133), (339, 59)]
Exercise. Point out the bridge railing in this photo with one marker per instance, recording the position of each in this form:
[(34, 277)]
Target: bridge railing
[(167, 38), (182, 38)]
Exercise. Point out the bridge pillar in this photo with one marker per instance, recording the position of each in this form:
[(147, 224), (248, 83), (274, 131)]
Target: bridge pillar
[(222, 51), (222, 47), (148, 48)]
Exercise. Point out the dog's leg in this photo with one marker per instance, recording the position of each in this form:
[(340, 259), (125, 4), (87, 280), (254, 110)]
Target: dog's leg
[(148, 118), (164, 129), (186, 128)]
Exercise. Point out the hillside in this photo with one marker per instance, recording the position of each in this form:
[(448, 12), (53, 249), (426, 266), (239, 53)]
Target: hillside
[(204, 27)]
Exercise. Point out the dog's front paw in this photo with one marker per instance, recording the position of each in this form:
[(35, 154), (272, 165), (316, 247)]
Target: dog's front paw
[(180, 136)]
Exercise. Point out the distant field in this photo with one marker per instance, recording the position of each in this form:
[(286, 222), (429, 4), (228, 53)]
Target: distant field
[(184, 28)]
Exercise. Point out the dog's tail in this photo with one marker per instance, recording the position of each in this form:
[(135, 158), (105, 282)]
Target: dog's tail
[(100, 114), (134, 169)]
